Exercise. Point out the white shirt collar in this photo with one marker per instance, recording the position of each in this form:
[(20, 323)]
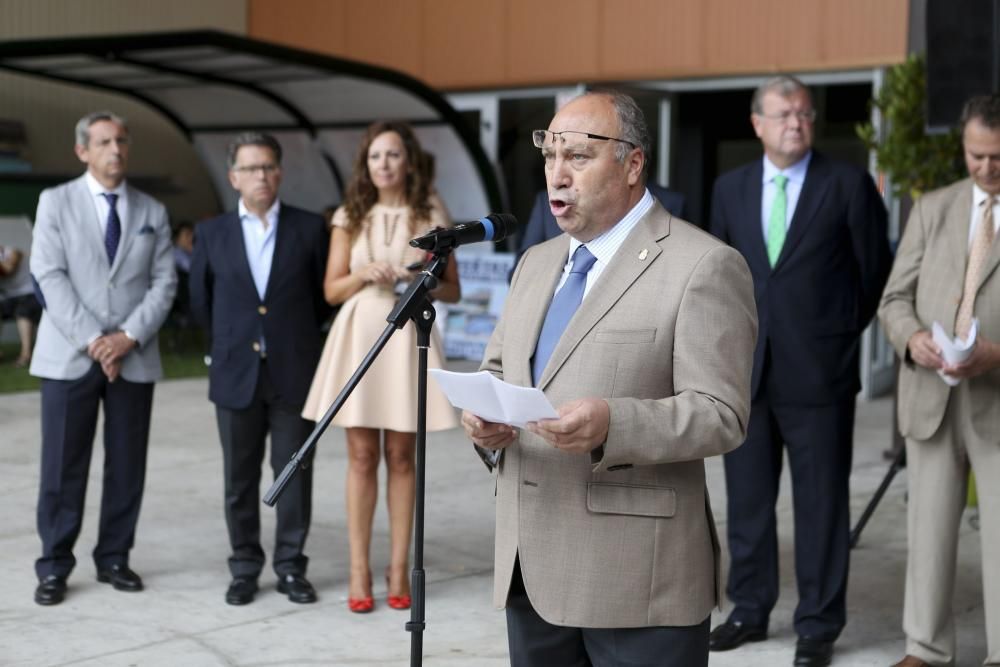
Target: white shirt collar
[(795, 173), (979, 196), (271, 215), (603, 247), (96, 189)]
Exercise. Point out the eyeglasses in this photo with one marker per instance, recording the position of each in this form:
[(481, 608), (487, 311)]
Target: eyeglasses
[(541, 138), (251, 169), (807, 116)]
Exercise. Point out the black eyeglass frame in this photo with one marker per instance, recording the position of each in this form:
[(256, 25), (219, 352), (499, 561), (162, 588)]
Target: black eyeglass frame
[(538, 137)]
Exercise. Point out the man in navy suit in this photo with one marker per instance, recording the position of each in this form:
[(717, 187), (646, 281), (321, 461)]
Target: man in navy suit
[(257, 284), (542, 224), (813, 231)]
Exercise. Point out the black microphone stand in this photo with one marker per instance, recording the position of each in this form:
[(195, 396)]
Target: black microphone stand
[(414, 305)]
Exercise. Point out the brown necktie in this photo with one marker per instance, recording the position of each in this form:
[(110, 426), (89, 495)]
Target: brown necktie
[(978, 255)]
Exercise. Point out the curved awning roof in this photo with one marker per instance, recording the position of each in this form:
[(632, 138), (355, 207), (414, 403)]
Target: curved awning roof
[(212, 85)]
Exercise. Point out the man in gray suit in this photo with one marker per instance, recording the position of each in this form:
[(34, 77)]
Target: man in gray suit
[(946, 271), (101, 259), (640, 329)]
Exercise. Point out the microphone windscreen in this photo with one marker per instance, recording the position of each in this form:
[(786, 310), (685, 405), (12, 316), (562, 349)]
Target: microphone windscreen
[(504, 224)]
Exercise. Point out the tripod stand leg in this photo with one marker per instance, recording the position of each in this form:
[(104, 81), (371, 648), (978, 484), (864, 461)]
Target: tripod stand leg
[(897, 464)]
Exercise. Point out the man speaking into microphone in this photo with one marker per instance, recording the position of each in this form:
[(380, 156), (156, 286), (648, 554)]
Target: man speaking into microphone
[(640, 329)]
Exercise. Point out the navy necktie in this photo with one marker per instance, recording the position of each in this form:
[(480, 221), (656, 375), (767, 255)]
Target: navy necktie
[(113, 232), (564, 304)]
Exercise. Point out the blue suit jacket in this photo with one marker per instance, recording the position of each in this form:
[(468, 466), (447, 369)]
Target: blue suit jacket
[(542, 225), (224, 299), (815, 302)]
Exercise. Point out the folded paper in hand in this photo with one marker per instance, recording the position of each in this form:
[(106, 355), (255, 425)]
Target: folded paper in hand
[(492, 399), (954, 351)]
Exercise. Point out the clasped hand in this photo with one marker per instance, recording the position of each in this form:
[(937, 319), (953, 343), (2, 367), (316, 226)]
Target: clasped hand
[(383, 273), (581, 427), (985, 356), (109, 350)]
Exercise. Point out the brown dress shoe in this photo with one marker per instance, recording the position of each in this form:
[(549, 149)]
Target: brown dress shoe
[(910, 661)]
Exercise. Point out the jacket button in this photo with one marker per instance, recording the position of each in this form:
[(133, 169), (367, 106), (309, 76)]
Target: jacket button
[(256, 346), (262, 310)]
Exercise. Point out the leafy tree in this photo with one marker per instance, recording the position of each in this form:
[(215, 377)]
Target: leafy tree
[(915, 161)]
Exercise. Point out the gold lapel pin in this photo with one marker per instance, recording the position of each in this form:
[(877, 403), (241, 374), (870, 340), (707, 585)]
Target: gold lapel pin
[(643, 254)]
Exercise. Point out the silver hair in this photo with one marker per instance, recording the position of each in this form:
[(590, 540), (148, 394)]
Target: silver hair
[(632, 123), (252, 139), (782, 84), (82, 131)]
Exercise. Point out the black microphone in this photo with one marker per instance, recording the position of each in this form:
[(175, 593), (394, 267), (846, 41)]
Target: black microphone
[(494, 227)]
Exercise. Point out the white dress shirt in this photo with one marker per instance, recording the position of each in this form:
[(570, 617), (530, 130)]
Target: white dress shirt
[(796, 175), (97, 192), (258, 241)]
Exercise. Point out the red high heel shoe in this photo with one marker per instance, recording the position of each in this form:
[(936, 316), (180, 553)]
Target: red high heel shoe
[(401, 602), (362, 605)]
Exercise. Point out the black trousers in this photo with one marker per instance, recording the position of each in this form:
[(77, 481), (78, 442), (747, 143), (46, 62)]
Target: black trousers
[(69, 423), (243, 434), (534, 642), (818, 440)]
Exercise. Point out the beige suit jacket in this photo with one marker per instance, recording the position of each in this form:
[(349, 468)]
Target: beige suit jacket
[(625, 537), (925, 286)]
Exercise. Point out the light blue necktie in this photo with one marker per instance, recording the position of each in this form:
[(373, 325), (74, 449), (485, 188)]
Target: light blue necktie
[(564, 304)]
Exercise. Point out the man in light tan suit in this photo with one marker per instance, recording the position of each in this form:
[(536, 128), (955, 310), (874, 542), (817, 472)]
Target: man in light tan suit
[(606, 550), (946, 271)]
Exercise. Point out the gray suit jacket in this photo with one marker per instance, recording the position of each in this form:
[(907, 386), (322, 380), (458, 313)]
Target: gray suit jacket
[(926, 285), (625, 537), (84, 296)]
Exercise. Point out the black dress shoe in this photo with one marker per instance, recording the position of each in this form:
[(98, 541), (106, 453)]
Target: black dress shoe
[(241, 590), (121, 578), (811, 652), (733, 634), (51, 590), (297, 588)]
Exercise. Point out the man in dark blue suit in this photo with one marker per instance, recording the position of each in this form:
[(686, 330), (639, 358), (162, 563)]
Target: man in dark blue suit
[(813, 231), (542, 224), (257, 284)]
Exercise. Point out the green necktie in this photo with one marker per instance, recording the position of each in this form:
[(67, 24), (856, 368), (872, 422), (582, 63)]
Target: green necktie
[(776, 223)]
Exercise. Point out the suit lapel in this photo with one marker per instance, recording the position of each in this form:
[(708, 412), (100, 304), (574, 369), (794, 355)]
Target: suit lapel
[(637, 252), (283, 244), (131, 224), (552, 257), (233, 238), (753, 192), (956, 235), (90, 226), (813, 191)]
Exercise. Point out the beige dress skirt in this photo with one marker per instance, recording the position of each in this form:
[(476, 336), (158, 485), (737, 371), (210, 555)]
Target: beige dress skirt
[(386, 397)]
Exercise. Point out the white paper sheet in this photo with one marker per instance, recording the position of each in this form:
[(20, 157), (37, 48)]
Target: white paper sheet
[(494, 400), (954, 351)]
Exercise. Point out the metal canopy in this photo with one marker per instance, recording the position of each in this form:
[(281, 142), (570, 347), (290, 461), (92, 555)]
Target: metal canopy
[(212, 85)]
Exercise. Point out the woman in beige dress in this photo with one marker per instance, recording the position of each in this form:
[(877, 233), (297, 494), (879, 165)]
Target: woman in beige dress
[(386, 204)]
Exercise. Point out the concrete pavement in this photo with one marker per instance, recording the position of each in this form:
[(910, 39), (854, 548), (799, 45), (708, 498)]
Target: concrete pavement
[(181, 549)]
